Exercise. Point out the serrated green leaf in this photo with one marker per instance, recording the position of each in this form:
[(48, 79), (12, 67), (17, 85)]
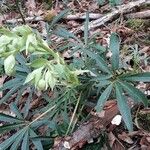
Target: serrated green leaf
[(100, 61), (21, 59), (135, 93), (40, 62), (22, 63), (15, 110), (4, 41), (6, 32), (52, 82), (10, 93), (19, 93), (31, 40), (103, 83), (25, 142), (27, 104), (9, 84), (39, 123), (4, 145), (37, 143), (62, 32), (7, 118), (114, 47), (36, 74), (58, 17), (24, 30), (99, 48), (123, 107), (60, 70), (143, 77), (103, 98), (103, 77)]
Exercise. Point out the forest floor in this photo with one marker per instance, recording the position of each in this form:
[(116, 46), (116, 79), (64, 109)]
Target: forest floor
[(131, 21)]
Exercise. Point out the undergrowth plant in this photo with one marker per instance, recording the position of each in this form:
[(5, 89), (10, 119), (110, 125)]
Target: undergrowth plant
[(111, 78), (41, 70), (32, 66)]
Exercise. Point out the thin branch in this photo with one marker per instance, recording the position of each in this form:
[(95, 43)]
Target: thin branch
[(21, 14), (123, 9), (68, 17), (141, 15)]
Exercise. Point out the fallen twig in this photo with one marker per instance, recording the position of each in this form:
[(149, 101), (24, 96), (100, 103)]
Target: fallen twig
[(68, 17), (123, 9), (139, 15), (83, 16), (28, 19)]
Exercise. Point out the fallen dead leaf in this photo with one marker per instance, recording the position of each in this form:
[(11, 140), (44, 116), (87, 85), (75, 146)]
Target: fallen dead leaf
[(144, 142), (125, 137), (115, 144)]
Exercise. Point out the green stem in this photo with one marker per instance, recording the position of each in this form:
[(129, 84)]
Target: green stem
[(73, 115)]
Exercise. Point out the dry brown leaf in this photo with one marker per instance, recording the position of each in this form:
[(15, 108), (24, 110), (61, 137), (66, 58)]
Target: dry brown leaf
[(115, 144), (125, 137), (145, 142), (49, 15)]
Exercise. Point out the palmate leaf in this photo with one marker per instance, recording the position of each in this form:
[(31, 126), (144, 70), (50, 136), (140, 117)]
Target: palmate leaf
[(6, 128), (103, 83), (143, 77), (114, 47), (58, 17), (135, 93), (10, 84), (4, 145), (11, 92), (62, 32), (22, 64), (37, 143), (39, 63), (123, 107), (18, 140), (7, 118), (103, 98), (15, 110), (27, 104), (99, 60), (102, 77), (25, 142)]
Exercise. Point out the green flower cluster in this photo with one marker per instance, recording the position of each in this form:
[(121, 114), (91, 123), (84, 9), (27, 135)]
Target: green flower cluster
[(46, 73)]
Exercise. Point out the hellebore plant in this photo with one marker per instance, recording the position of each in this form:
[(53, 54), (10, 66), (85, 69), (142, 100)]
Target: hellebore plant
[(47, 72)]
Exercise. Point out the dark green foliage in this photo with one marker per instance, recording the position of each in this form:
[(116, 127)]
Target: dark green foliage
[(97, 76)]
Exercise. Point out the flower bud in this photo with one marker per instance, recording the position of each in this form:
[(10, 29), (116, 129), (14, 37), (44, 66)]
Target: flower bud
[(42, 84)]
